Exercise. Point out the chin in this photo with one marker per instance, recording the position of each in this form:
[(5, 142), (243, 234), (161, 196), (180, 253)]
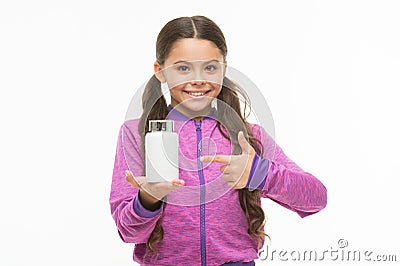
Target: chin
[(196, 106)]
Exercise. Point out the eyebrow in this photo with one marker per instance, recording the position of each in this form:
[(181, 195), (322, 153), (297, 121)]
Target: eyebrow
[(207, 61)]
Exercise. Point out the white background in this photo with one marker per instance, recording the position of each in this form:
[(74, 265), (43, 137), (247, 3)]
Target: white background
[(68, 70)]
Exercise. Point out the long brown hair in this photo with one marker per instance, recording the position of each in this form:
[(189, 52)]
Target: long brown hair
[(155, 107)]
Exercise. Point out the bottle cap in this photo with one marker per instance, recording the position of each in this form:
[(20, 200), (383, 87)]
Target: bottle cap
[(161, 125)]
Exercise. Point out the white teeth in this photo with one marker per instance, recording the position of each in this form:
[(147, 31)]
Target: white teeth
[(196, 93)]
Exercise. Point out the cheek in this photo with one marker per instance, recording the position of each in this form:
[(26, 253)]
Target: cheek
[(216, 87), (178, 88)]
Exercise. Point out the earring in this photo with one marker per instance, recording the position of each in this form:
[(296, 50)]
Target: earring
[(214, 103), (164, 88)]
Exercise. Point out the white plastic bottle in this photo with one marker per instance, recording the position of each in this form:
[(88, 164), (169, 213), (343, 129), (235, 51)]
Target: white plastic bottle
[(161, 145)]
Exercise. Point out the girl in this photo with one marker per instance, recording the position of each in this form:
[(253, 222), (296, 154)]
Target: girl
[(219, 220)]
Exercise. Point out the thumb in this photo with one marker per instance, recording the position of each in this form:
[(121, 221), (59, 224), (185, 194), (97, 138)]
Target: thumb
[(246, 147)]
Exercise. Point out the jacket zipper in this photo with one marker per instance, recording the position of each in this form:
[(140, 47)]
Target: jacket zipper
[(202, 196)]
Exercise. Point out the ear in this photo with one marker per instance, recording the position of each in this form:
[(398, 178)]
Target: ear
[(158, 72)]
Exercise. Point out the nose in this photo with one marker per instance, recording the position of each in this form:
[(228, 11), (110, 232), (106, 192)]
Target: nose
[(198, 78), (197, 82)]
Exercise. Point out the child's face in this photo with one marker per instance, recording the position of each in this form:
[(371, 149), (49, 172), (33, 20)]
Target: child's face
[(194, 70)]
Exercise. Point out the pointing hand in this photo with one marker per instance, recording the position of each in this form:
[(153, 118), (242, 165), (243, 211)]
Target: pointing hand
[(236, 170)]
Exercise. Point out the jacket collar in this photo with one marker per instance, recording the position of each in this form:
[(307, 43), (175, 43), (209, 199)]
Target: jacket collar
[(174, 114)]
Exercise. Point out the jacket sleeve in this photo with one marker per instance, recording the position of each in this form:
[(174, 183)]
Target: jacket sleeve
[(134, 222), (283, 181)]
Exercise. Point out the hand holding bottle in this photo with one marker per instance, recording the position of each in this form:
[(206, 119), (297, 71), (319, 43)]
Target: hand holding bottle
[(152, 192)]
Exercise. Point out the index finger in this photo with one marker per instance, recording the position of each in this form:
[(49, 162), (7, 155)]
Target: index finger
[(219, 158)]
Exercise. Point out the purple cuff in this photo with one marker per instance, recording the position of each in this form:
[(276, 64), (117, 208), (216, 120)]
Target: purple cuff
[(141, 210), (258, 173)]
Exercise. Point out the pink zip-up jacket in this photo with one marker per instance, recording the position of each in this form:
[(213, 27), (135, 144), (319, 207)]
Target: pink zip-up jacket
[(203, 223)]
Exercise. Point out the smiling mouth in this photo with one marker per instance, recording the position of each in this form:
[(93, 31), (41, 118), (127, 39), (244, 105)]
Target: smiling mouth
[(197, 93)]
